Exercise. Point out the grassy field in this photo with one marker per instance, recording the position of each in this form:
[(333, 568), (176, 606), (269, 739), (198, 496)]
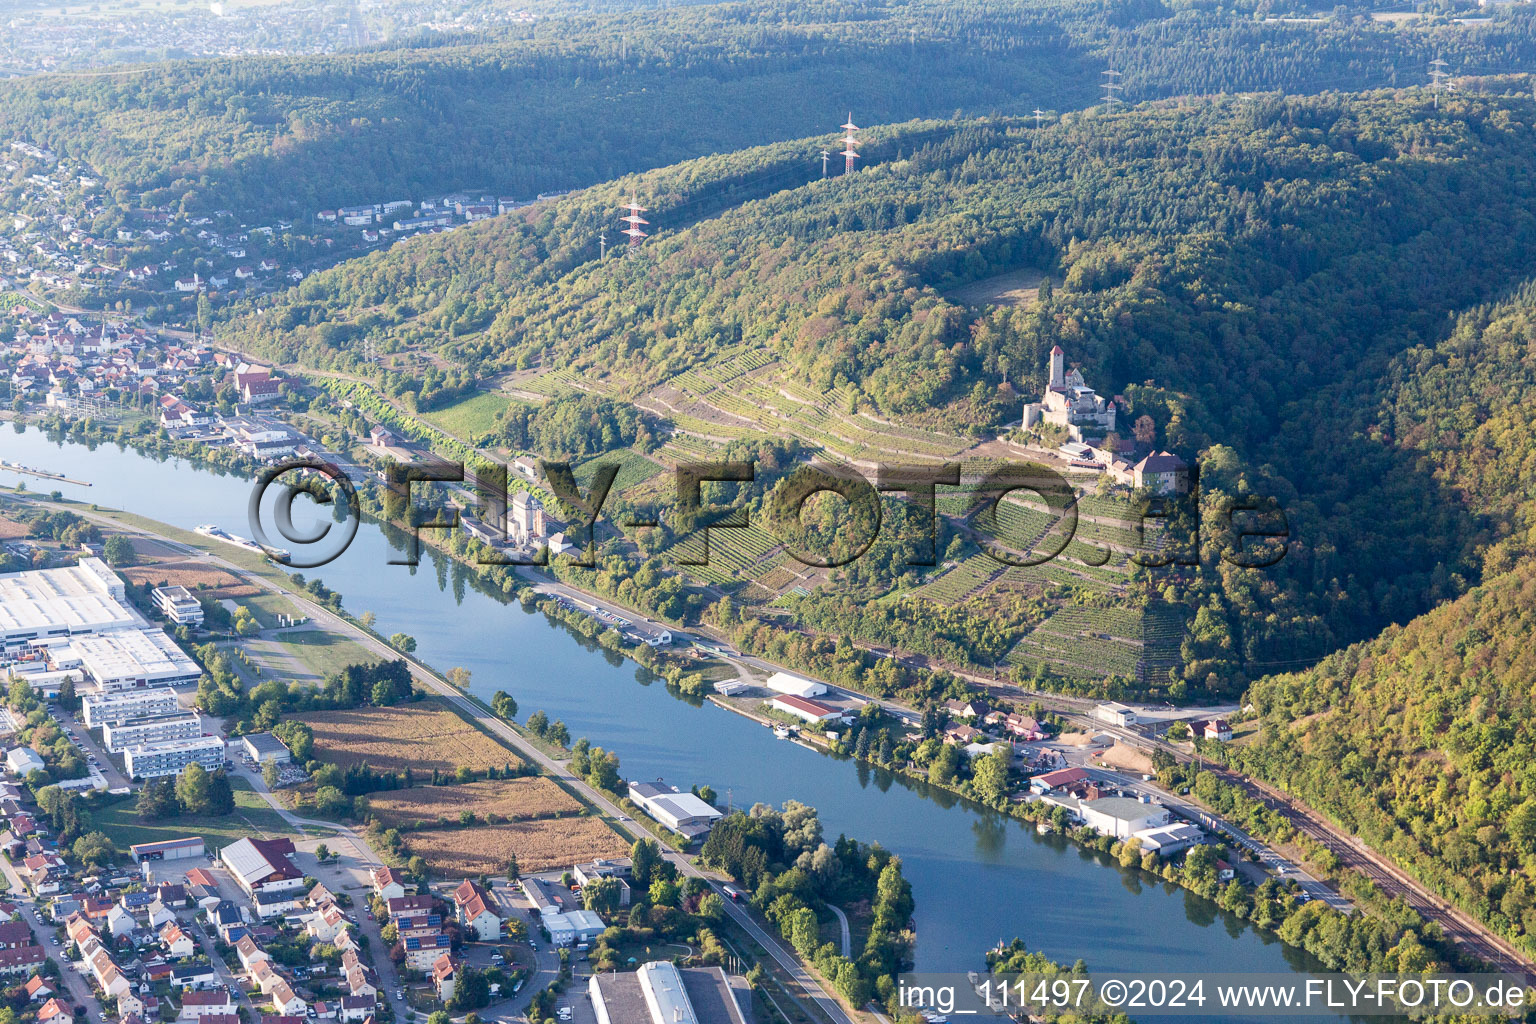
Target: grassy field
[(511, 799), (423, 736), (539, 845), (252, 816), (323, 651), (471, 417)]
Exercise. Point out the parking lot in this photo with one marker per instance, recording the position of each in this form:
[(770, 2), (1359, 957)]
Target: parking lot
[(96, 757)]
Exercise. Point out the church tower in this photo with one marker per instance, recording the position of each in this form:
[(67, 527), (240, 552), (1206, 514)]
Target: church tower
[(1058, 368)]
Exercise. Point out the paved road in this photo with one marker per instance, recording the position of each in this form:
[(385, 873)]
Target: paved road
[(842, 923), (363, 861), (1461, 928), (781, 954), (1286, 869), (77, 988)]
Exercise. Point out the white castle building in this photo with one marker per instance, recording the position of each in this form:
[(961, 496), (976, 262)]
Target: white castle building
[(1069, 402)]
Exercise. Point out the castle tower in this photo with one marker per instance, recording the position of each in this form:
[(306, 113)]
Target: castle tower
[(1058, 368)]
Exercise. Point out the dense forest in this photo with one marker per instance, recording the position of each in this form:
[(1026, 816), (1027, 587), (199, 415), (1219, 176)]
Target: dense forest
[(1243, 269), (1420, 741), (579, 99)]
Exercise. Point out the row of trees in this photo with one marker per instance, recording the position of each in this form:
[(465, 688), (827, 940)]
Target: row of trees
[(779, 855)]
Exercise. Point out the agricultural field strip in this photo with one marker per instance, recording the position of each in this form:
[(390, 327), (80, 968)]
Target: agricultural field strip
[(539, 845), (422, 736), (521, 799)]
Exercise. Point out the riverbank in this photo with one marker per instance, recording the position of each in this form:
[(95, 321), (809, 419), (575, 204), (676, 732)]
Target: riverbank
[(1042, 888)]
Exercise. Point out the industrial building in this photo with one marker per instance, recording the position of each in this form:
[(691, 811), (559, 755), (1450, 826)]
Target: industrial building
[(75, 600), (683, 813), (812, 711), (22, 760), (1115, 713), (573, 927), (103, 709), (190, 847), (151, 729), (263, 747), (177, 604), (661, 993), (128, 658), (170, 757), (1122, 816), (799, 686), (262, 865), (1167, 840)]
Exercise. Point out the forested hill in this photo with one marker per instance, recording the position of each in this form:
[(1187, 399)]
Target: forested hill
[(1421, 742), (582, 99), (578, 100), (1263, 261)]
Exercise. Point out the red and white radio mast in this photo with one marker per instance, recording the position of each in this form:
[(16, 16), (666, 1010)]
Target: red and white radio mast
[(849, 141), (634, 220)]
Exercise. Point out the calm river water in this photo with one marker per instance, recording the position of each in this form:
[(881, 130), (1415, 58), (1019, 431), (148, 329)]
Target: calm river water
[(977, 877)]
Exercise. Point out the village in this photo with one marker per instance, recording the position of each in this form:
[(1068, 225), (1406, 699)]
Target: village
[(70, 241), (312, 926)]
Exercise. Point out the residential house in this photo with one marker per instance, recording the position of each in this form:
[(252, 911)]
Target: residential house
[(443, 977), (264, 976), (194, 976), (407, 906), (388, 883), (203, 1001), (475, 913), (961, 735), (54, 1012), (178, 944), (286, 1002), (422, 952), (249, 952), (355, 1007), (38, 989), (159, 915), (15, 934), (120, 922), (966, 709), (323, 924), (22, 960), (1024, 727)]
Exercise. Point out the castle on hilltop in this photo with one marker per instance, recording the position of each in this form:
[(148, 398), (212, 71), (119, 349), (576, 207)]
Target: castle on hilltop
[(1069, 402)]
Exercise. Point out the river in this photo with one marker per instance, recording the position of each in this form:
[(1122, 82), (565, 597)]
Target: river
[(977, 877)]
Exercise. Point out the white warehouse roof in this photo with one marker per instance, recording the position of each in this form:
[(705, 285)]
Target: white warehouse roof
[(83, 598), (133, 655), (799, 686)]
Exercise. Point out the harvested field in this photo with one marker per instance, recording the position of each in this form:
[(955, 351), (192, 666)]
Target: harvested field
[(10, 529), (539, 845), (191, 575), (512, 799), (422, 736)]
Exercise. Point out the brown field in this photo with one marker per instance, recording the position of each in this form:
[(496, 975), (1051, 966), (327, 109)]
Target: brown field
[(539, 845), (422, 736), (10, 529), (512, 799), (191, 575)]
